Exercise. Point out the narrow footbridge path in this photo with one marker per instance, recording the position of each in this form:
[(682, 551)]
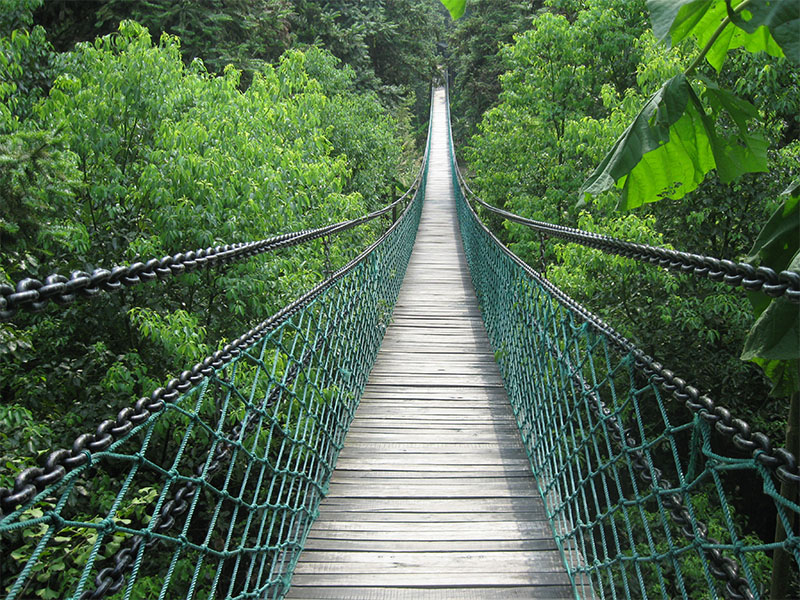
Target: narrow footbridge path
[(433, 496)]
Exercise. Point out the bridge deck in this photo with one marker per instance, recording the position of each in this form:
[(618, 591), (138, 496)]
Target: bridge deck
[(432, 496)]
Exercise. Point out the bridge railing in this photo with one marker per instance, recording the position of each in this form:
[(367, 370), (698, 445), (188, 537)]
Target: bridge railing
[(211, 484), (636, 468)]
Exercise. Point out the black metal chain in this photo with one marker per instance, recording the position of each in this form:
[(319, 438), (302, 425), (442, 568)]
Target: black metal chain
[(722, 567), (110, 580), (34, 295), (58, 463), (753, 279), (779, 460)]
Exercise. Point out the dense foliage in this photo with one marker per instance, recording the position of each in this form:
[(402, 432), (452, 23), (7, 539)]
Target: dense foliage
[(390, 45), (475, 64)]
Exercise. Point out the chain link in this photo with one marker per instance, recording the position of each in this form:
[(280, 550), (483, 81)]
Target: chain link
[(111, 579), (721, 566), (753, 279), (778, 460), (34, 295)]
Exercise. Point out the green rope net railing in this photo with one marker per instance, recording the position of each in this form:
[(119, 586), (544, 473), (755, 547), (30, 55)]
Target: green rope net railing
[(211, 491), (639, 490)]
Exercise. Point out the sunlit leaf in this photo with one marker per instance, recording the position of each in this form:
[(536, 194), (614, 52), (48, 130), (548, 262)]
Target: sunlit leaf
[(456, 7), (781, 17), (649, 131), (742, 151), (675, 21), (673, 143)]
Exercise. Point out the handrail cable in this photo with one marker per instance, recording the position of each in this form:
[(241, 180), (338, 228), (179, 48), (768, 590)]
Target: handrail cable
[(286, 392), (34, 295), (753, 279), (60, 462), (780, 460)]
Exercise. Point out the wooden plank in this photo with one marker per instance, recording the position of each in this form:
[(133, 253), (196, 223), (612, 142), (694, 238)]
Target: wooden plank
[(432, 496), (482, 541), (401, 477), (541, 528), (441, 579), (428, 490), (447, 473), (333, 544), (498, 567), (435, 533), (549, 592), (466, 518)]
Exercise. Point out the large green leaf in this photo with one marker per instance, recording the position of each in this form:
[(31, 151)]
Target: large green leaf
[(673, 143), (783, 375), (456, 7), (778, 242), (781, 17), (649, 131), (676, 20), (676, 167), (774, 340), (780, 237), (673, 20), (741, 151)]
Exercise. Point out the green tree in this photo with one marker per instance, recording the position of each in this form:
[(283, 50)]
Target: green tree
[(390, 45), (246, 34), (475, 61)]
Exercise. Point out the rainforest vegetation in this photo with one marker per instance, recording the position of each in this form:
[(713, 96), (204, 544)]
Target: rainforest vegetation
[(132, 129)]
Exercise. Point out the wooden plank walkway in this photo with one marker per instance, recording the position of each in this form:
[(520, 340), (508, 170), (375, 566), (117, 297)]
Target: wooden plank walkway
[(433, 497)]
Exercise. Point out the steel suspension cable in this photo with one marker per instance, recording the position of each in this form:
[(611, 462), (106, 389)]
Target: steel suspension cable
[(60, 462), (753, 279), (742, 435), (558, 361), (289, 389), (34, 295)]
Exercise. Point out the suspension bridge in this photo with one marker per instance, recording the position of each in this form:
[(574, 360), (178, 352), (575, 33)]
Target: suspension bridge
[(434, 420)]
